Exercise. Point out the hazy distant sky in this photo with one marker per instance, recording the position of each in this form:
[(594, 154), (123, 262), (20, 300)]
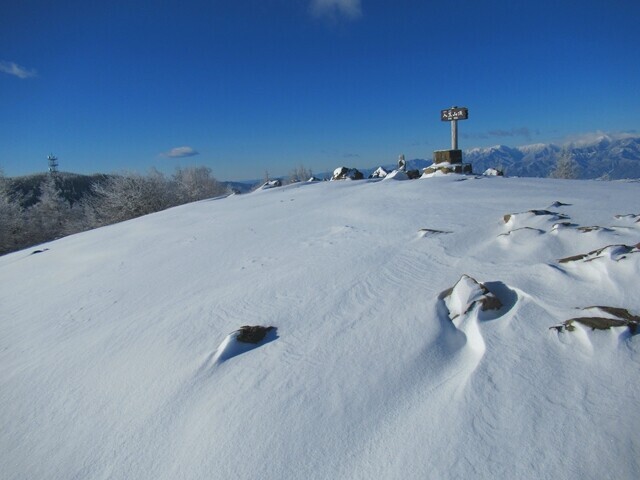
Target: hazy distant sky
[(244, 86)]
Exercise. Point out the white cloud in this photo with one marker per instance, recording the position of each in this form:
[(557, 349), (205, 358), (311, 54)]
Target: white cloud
[(333, 8), (14, 69), (180, 152)]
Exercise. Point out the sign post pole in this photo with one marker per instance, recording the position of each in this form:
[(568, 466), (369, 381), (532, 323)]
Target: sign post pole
[(454, 134)]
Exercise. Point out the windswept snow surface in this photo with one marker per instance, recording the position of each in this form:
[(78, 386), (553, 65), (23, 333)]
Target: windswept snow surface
[(117, 357)]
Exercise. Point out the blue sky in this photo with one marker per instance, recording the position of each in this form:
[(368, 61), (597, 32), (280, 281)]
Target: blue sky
[(245, 86)]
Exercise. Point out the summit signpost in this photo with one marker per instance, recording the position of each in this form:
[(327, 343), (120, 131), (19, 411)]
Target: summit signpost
[(451, 160), (452, 115)]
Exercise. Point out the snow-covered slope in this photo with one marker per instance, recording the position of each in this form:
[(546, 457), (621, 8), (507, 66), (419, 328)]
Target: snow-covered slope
[(412, 337)]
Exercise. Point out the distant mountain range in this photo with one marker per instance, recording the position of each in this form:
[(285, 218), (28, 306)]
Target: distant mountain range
[(606, 158)]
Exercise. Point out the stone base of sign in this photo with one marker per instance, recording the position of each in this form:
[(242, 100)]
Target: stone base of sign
[(447, 156), (448, 161)]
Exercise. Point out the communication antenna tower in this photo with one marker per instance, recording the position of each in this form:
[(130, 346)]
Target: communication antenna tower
[(53, 163)]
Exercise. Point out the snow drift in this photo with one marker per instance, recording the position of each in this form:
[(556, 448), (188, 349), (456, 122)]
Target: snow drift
[(116, 359)]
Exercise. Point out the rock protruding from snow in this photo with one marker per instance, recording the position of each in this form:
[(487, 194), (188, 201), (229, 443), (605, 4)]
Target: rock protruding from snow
[(346, 173), (244, 339), (611, 252), (493, 172), (466, 294), (413, 174), (558, 204), (252, 334), (602, 318), (427, 232), (271, 184), (380, 172), (629, 217), (467, 302), (512, 218)]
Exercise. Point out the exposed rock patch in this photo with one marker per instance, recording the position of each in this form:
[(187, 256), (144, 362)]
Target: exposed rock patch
[(252, 334), (536, 213), (427, 232), (628, 216), (593, 228), (243, 340), (345, 173), (536, 230), (271, 184), (618, 317), (560, 225), (614, 252)]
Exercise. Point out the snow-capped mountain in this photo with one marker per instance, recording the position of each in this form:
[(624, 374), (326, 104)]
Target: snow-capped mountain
[(606, 158)]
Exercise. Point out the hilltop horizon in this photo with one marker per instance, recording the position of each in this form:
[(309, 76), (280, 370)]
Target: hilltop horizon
[(481, 157)]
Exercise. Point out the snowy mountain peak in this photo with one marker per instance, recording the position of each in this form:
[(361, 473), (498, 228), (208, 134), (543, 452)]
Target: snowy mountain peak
[(604, 157)]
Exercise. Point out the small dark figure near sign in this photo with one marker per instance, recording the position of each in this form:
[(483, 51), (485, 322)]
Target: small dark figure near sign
[(402, 163)]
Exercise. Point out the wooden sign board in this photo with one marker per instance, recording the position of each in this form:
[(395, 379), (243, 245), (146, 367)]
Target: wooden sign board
[(454, 113)]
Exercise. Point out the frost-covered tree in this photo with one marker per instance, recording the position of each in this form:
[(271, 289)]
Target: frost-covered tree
[(300, 174), (48, 217), (131, 195), (12, 227), (566, 166), (44, 220), (196, 183)]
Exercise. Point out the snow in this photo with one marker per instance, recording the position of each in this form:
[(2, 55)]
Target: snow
[(396, 175), (271, 184), (119, 355)]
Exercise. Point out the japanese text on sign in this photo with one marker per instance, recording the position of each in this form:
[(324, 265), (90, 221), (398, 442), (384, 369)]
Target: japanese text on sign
[(455, 113)]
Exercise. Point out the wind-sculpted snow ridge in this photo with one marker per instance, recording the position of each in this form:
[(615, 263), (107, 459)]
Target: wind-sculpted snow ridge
[(466, 295), (243, 340), (116, 359), (468, 303)]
